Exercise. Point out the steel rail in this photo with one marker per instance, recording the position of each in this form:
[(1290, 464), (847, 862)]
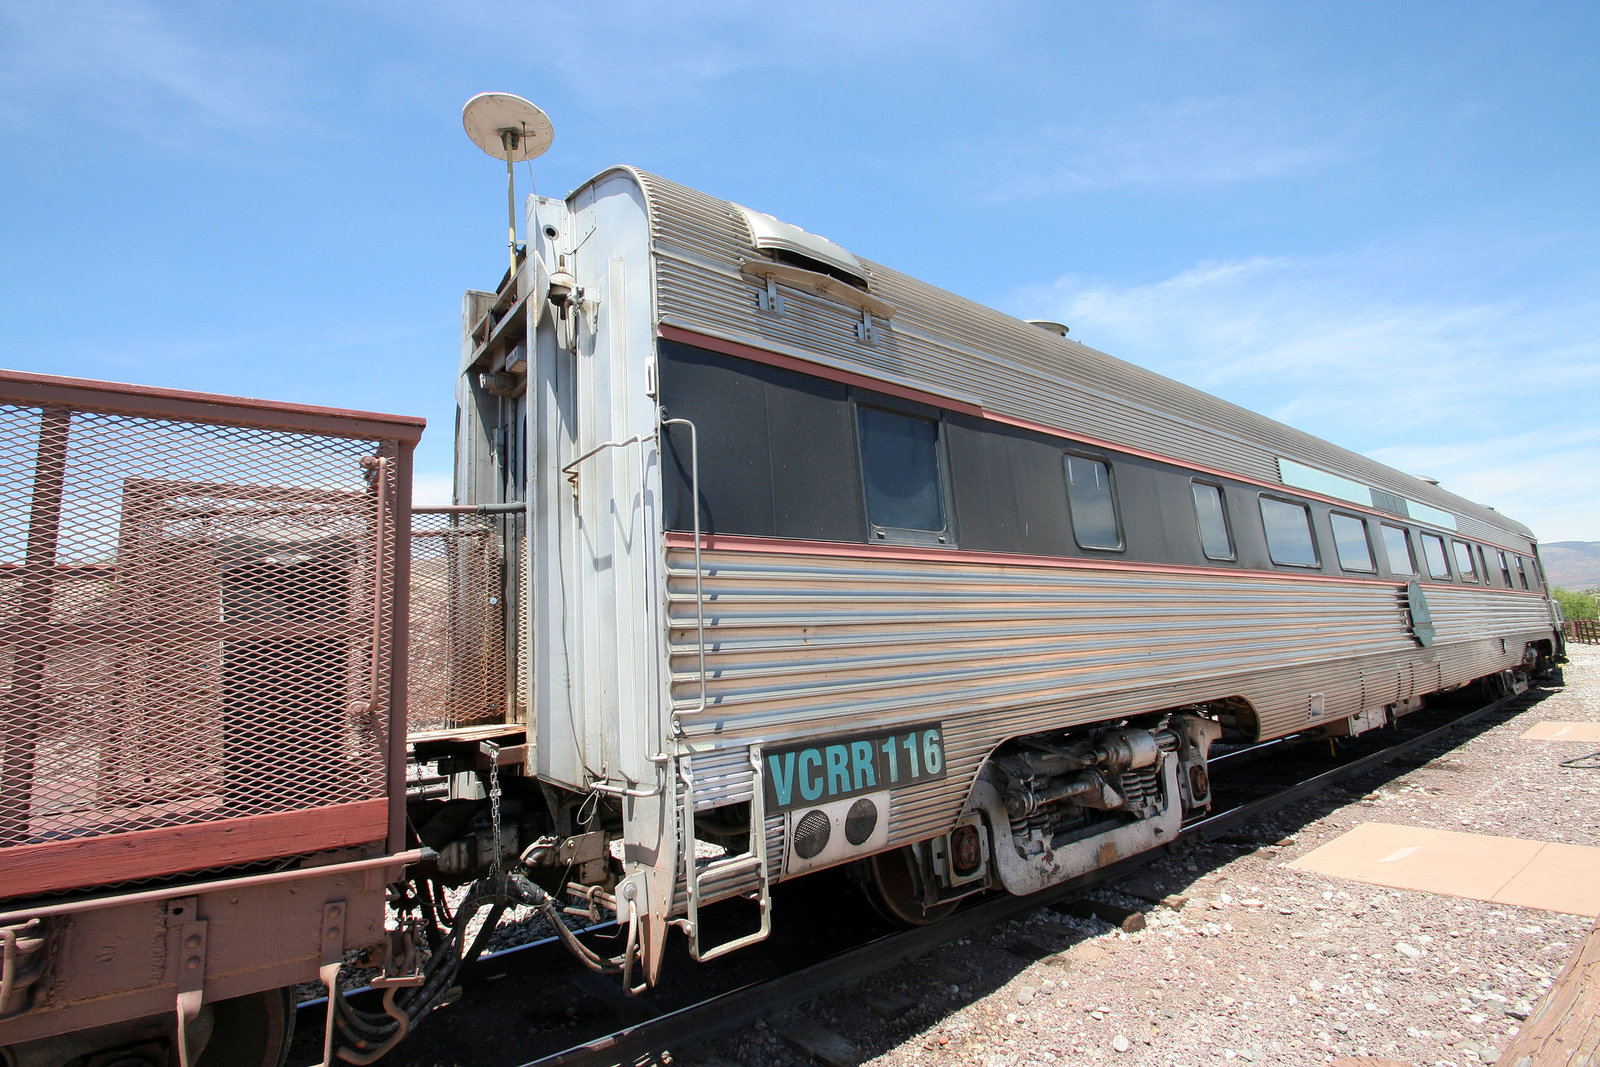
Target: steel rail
[(743, 1006), (1212, 825)]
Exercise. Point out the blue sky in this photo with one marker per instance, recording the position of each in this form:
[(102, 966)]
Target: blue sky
[(1378, 222)]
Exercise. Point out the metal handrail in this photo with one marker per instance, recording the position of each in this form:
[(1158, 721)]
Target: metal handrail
[(571, 469), (510, 507), (699, 571)]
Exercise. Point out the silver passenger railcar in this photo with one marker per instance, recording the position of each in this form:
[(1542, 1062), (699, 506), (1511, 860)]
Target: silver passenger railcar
[(824, 565)]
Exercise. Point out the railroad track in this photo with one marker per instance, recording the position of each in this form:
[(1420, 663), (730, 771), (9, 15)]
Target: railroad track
[(541, 984)]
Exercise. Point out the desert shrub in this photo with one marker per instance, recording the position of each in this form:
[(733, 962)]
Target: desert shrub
[(1575, 605)]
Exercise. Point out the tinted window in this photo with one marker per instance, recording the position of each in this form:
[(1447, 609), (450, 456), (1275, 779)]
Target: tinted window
[(1350, 542), (1464, 564), (1288, 527), (1522, 573), (1505, 569), (1397, 546), (900, 468), (1433, 549), (782, 462), (1214, 538), (1094, 513)]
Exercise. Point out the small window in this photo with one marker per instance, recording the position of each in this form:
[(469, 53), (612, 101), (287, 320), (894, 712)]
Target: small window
[(1094, 510), (1505, 569), (1433, 550), (1288, 527), (1350, 542), (1215, 540), (1397, 546), (1522, 573), (900, 470), (1464, 564)]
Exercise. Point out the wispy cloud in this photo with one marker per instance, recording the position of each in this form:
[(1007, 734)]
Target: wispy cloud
[(1495, 399), (86, 68), (630, 60), (1187, 142), (1546, 477)]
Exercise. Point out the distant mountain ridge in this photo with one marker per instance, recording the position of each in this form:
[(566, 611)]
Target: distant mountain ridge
[(1572, 564)]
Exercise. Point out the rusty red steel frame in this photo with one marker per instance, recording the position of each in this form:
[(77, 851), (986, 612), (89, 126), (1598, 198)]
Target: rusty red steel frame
[(203, 631)]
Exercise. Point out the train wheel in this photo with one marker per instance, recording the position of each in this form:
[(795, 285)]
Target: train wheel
[(248, 1031), (890, 882), (251, 1031)]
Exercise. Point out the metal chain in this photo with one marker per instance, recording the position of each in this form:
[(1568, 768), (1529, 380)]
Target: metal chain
[(493, 751)]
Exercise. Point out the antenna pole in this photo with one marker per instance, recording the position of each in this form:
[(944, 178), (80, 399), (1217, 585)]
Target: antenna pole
[(509, 139), (509, 126)]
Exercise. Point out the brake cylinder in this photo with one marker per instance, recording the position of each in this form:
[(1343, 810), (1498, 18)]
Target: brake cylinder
[(1123, 750)]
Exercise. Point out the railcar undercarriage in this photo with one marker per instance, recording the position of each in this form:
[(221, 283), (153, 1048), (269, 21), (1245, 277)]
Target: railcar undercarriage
[(1062, 804)]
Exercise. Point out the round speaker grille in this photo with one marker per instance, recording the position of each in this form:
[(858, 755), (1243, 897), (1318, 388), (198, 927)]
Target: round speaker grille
[(861, 820), (811, 835)]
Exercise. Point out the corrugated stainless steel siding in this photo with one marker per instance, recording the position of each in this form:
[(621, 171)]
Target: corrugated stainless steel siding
[(950, 346), (722, 774), (806, 646)]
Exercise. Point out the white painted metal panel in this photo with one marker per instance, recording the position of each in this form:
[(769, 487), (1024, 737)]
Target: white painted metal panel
[(598, 636)]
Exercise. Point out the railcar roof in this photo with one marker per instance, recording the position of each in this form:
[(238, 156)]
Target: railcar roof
[(945, 344)]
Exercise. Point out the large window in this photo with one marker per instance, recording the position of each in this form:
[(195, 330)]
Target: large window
[(1433, 551), (901, 476), (1288, 527), (1215, 539), (1350, 542), (1397, 546), (1092, 503), (1464, 563)]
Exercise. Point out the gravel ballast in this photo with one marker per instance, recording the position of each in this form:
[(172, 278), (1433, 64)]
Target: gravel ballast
[(1250, 960)]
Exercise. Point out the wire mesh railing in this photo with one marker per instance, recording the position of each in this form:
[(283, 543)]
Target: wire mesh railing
[(197, 608), (460, 655)]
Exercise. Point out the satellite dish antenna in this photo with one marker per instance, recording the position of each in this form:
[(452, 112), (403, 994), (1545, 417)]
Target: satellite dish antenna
[(509, 127)]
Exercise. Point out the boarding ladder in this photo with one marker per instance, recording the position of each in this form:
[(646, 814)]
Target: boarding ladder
[(701, 881)]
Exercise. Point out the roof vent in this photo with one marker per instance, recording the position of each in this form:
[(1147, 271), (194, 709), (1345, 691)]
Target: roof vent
[(1049, 327), (794, 246)]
